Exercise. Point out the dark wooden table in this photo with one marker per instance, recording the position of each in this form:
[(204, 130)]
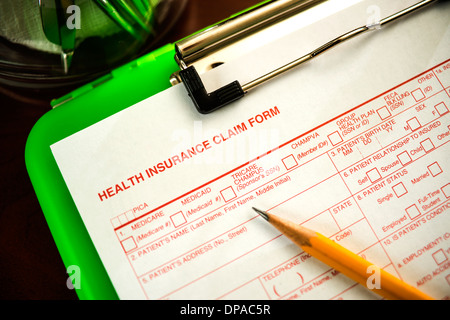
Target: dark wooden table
[(30, 265)]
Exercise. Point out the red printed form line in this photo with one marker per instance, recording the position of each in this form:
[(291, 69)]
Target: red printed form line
[(352, 194)]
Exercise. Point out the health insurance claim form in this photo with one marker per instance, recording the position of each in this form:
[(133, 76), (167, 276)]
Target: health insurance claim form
[(354, 144)]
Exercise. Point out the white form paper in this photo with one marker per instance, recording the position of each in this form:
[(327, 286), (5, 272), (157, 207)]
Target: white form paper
[(353, 144)]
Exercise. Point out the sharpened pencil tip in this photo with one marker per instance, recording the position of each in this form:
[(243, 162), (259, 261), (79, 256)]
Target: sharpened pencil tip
[(262, 213)]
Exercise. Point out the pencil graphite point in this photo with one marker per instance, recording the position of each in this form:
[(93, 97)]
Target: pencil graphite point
[(262, 213)]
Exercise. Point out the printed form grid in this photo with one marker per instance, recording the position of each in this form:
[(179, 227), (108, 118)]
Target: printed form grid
[(355, 164)]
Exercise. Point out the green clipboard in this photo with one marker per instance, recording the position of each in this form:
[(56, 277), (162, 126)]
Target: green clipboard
[(85, 106), (89, 104)]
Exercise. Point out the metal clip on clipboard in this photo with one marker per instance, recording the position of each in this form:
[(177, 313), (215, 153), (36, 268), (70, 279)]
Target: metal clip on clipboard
[(194, 51)]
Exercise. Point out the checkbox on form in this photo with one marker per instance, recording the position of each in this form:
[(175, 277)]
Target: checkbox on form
[(373, 175), (404, 158), (228, 194), (178, 219), (446, 190), (399, 189), (439, 257), (123, 218), (413, 212), (383, 113), (418, 94), (129, 244), (441, 108), (427, 145), (435, 169), (335, 138), (413, 124), (289, 162)]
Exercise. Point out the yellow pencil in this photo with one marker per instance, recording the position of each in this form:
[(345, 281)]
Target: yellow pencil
[(343, 260)]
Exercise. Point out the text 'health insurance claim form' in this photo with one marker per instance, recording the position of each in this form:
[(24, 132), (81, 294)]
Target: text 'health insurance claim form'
[(354, 144)]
